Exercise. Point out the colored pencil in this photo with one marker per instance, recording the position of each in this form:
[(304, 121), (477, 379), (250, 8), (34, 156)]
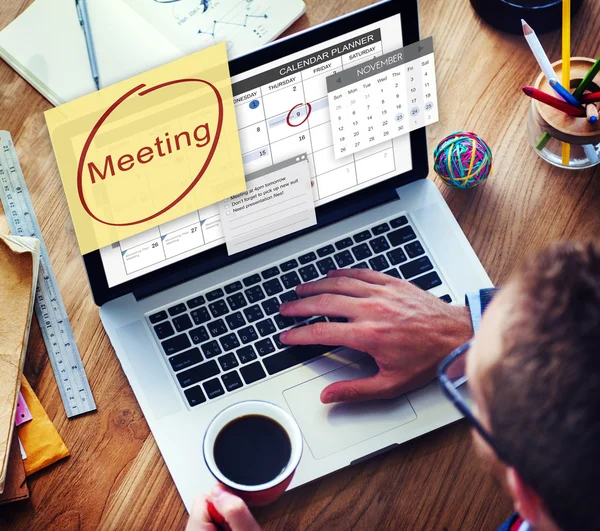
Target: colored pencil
[(592, 113), (592, 97), (564, 93), (591, 153), (585, 82), (546, 98), (538, 51), (566, 68)]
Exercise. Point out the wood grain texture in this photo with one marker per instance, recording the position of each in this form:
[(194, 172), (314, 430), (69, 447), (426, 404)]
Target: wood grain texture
[(116, 479)]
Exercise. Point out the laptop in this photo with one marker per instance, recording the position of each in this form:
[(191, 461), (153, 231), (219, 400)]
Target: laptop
[(197, 330)]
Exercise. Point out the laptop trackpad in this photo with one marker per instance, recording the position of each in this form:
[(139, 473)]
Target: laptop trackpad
[(329, 428)]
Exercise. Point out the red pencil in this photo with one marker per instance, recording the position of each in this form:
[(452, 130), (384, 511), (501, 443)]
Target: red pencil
[(590, 98), (544, 97)]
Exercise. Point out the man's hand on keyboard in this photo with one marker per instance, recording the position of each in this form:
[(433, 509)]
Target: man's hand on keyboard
[(232, 509), (407, 331)]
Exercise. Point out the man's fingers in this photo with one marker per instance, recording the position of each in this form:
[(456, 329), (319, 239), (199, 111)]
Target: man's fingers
[(340, 285), (199, 518), (234, 510), (324, 304), (370, 388), (366, 275), (331, 334)]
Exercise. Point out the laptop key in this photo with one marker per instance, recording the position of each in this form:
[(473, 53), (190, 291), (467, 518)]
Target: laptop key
[(255, 294), (416, 267), (235, 320), (229, 342), (254, 313), (186, 359), (264, 347), (393, 273), (157, 317), (379, 263), (195, 302), (270, 273), (360, 265), (414, 249), (253, 372), (177, 309), (217, 328), (361, 251), (236, 301), (198, 374), (289, 296), (211, 349), (325, 265), (344, 244), (199, 335), (344, 259), (308, 273), (182, 323), (200, 316), (271, 306), (397, 256), (232, 381), (266, 327), (307, 258), (218, 308), (248, 334), (379, 245), (325, 251), (380, 229), (163, 330), (446, 298), (400, 236), (213, 388), (195, 396), (290, 280), (399, 222), (214, 295), (246, 354), (272, 287), (233, 287), (176, 344), (362, 236), (283, 322), (277, 340), (251, 280), (294, 356), (428, 281), (228, 361), (289, 265)]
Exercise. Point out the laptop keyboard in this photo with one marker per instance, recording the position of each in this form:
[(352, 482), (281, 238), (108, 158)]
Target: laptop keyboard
[(226, 338)]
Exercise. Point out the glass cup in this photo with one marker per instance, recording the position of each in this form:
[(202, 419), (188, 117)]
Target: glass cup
[(549, 128)]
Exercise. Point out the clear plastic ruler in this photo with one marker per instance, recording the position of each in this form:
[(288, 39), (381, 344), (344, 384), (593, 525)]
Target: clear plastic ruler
[(49, 307)]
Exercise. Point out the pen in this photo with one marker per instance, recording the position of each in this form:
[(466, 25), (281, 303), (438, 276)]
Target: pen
[(564, 93), (84, 20), (539, 95)]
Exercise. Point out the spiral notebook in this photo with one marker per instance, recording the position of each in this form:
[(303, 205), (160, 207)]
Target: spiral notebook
[(46, 44)]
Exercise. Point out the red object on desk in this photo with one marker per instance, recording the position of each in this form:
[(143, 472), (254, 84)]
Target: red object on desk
[(591, 98), (217, 517), (546, 98)]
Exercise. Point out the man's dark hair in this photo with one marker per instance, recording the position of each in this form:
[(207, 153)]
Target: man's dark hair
[(544, 393)]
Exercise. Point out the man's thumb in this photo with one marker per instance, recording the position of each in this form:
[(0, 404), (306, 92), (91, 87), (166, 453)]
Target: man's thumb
[(357, 390)]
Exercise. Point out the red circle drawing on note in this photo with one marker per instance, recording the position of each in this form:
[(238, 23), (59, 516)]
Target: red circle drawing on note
[(289, 116), (142, 92)]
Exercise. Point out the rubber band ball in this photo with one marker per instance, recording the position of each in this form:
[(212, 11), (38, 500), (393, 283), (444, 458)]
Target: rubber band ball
[(463, 160)]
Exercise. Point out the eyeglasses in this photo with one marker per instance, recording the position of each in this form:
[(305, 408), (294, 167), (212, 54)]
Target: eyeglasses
[(453, 378)]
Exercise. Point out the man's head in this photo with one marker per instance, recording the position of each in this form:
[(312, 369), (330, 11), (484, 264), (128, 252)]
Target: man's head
[(534, 372)]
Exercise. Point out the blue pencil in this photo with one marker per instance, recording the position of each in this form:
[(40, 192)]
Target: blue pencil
[(564, 93)]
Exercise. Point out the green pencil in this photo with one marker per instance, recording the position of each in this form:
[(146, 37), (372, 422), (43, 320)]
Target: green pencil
[(589, 77)]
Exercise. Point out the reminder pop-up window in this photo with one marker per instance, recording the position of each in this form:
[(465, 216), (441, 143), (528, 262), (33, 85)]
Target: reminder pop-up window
[(278, 201)]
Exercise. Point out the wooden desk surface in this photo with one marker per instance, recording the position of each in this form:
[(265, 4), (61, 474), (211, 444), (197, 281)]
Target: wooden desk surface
[(116, 478)]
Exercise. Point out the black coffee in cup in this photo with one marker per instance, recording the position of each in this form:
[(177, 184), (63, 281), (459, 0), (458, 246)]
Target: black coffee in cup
[(252, 450)]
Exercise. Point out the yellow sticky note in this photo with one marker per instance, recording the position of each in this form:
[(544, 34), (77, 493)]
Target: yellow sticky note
[(149, 149)]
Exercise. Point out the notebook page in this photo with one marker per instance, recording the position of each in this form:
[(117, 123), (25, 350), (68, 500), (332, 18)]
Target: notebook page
[(46, 45)]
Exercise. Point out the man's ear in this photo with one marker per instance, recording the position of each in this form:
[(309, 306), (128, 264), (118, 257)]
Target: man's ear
[(527, 503)]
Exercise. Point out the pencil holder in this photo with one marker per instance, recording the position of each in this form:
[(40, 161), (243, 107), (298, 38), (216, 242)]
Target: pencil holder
[(548, 128)]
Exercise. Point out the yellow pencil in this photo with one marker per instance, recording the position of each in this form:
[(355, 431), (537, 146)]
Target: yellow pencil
[(566, 65)]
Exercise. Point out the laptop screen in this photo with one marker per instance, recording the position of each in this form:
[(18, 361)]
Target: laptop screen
[(264, 97)]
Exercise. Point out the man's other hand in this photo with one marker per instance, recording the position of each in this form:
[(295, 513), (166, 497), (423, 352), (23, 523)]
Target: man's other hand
[(232, 509), (406, 330)]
